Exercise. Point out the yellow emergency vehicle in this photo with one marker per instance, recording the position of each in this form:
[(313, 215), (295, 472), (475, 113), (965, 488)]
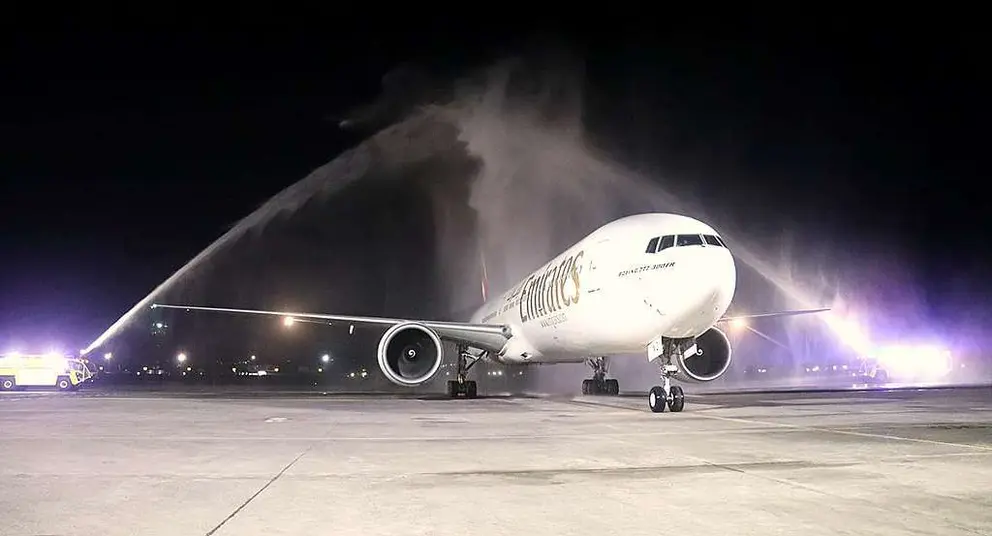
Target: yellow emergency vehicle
[(42, 370)]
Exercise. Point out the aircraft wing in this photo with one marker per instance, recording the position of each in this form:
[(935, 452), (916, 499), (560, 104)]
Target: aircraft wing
[(771, 315), (483, 336)]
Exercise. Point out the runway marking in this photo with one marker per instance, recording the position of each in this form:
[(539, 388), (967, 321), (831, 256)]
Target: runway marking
[(812, 489), (844, 432), (796, 426), (737, 468), (742, 469), (448, 438), (934, 456), (259, 492), (586, 403), (589, 403)]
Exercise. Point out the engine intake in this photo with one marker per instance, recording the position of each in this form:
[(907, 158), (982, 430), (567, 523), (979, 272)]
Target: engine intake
[(410, 354), (711, 360)]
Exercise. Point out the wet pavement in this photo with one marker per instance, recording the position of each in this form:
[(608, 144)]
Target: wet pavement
[(881, 462)]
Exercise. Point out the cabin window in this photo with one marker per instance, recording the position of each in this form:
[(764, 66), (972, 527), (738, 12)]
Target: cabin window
[(712, 240), (666, 242), (652, 245), (689, 240)]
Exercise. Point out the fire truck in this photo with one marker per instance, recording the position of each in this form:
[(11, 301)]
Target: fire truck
[(64, 373)]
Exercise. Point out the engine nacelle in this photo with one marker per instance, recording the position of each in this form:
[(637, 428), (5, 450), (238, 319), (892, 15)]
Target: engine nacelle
[(410, 354), (711, 359)]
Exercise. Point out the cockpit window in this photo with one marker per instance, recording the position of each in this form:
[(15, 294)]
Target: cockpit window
[(689, 240), (660, 243), (722, 243), (667, 241)]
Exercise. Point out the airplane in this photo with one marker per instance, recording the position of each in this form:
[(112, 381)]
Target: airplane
[(655, 284)]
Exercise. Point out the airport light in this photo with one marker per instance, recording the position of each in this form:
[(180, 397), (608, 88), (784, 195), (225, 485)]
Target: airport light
[(325, 358), (253, 357), (181, 357), (108, 356)]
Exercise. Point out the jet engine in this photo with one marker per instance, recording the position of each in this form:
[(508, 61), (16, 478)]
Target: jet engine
[(710, 359), (410, 354)]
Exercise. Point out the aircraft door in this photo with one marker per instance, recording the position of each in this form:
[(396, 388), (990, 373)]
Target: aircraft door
[(598, 265)]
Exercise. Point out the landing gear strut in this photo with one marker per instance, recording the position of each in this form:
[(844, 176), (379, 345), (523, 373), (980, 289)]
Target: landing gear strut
[(461, 386), (667, 394), (599, 385)]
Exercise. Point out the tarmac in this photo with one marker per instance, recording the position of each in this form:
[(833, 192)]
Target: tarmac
[(865, 463)]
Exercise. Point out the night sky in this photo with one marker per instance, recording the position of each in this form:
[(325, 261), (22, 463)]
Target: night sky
[(125, 153)]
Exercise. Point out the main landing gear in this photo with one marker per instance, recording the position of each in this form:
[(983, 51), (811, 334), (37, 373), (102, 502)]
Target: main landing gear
[(461, 386), (667, 394), (598, 384)]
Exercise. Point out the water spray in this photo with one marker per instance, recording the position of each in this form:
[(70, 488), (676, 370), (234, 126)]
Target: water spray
[(329, 178), (540, 186)]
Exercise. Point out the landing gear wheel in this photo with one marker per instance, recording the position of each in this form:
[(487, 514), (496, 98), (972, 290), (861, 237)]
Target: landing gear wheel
[(461, 386), (676, 399), (467, 388), (609, 387), (598, 384), (64, 384), (7, 384), (612, 387), (657, 399)]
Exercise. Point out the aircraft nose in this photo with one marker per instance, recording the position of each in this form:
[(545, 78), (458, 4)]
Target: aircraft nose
[(710, 285), (725, 277), (724, 281)]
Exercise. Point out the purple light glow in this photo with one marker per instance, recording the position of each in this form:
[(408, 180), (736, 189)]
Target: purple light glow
[(914, 361)]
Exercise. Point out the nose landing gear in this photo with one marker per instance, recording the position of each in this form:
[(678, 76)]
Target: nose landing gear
[(599, 384), (667, 394)]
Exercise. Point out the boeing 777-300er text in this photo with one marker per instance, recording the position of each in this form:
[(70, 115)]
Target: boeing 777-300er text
[(654, 284)]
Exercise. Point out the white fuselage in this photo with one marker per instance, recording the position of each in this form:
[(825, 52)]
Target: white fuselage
[(616, 290)]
